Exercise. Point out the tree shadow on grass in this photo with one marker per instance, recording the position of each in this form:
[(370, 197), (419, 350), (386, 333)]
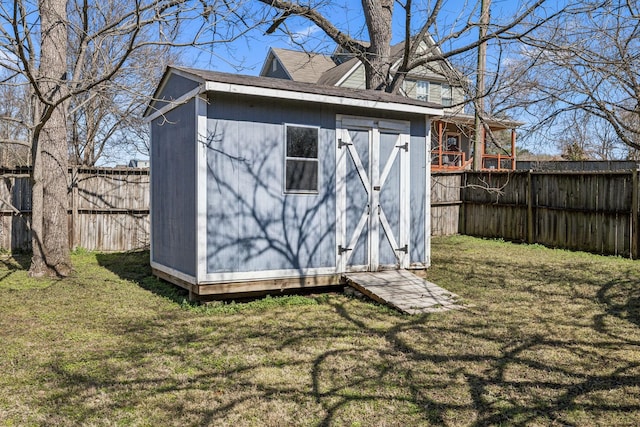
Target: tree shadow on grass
[(9, 264), (534, 357), (465, 370)]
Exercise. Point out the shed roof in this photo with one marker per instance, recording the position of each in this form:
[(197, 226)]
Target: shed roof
[(212, 81)]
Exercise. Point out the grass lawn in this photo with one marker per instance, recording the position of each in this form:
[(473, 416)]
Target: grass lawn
[(548, 337)]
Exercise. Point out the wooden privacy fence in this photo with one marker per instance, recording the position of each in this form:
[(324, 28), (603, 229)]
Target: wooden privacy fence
[(587, 211), (590, 211), (108, 209), (446, 203)]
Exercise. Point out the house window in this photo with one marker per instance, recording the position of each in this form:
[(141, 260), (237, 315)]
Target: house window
[(452, 148), (301, 159), (422, 90), (447, 96)]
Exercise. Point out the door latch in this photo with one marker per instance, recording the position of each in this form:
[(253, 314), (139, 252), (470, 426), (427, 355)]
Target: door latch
[(404, 249)]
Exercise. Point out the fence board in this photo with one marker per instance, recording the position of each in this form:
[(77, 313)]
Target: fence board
[(108, 209), (588, 211), (446, 203)]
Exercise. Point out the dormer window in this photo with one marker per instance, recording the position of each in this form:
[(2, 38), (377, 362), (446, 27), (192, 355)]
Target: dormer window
[(274, 65), (447, 96), (422, 90)]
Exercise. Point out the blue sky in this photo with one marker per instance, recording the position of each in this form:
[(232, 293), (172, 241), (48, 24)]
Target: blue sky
[(247, 54)]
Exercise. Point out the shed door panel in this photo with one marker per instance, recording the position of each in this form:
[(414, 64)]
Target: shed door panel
[(357, 207), (389, 199), (372, 177)]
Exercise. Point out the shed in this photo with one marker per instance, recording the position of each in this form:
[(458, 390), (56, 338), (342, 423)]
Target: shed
[(261, 184)]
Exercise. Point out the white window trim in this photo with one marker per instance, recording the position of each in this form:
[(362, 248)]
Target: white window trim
[(285, 158), (447, 89)]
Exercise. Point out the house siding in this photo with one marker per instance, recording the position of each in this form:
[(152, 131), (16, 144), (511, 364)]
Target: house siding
[(410, 88), (356, 80), (435, 93), (458, 95), (279, 72)]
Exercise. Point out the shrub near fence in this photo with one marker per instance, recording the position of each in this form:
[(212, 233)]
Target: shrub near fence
[(108, 209)]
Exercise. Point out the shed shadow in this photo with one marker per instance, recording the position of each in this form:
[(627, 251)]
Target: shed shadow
[(134, 266)]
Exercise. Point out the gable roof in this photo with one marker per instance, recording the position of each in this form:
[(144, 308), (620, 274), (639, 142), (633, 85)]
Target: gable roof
[(337, 74), (322, 69), (300, 66), (212, 81)]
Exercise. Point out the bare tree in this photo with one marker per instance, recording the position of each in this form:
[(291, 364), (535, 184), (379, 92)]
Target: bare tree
[(454, 31), (582, 65), (105, 120), (420, 22), (14, 108), (35, 40)]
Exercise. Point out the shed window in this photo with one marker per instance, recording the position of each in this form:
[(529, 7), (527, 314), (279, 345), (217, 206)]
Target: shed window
[(301, 159)]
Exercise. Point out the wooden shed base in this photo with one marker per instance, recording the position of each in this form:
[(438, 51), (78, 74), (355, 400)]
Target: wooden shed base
[(399, 289), (205, 291)]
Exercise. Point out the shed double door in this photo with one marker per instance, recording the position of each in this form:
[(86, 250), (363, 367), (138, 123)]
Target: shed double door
[(372, 178)]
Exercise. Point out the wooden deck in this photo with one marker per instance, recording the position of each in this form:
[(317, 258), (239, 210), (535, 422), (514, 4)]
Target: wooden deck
[(403, 290)]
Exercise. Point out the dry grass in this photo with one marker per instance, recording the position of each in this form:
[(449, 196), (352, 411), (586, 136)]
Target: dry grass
[(548, 338)]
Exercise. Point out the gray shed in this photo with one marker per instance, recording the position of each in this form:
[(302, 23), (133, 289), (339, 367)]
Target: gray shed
[(261, 184)]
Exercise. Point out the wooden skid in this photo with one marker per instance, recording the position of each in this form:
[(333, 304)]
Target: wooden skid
[(403, 291), (247, 288)]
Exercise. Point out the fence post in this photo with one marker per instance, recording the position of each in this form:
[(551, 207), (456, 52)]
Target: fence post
[(462, 218), (74, 207), (530, 207), (633, 223)]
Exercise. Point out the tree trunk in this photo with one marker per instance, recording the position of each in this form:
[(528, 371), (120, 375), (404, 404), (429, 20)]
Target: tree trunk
[(378, 14), (49, 225)]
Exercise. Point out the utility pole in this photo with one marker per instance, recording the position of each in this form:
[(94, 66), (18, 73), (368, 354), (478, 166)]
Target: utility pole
[(478, 140)]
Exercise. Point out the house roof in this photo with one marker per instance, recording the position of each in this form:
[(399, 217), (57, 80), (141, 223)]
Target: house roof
[(302, 66), (333, 76), (316, 67), (212, 81), (494, 123)]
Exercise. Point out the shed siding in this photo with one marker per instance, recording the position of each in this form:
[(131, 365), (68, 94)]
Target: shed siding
[(251, 224), (174, 89), (173, 181), (419, 170)]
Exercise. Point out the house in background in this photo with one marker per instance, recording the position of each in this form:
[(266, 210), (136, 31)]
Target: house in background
[(136, 163), (439, 83)]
